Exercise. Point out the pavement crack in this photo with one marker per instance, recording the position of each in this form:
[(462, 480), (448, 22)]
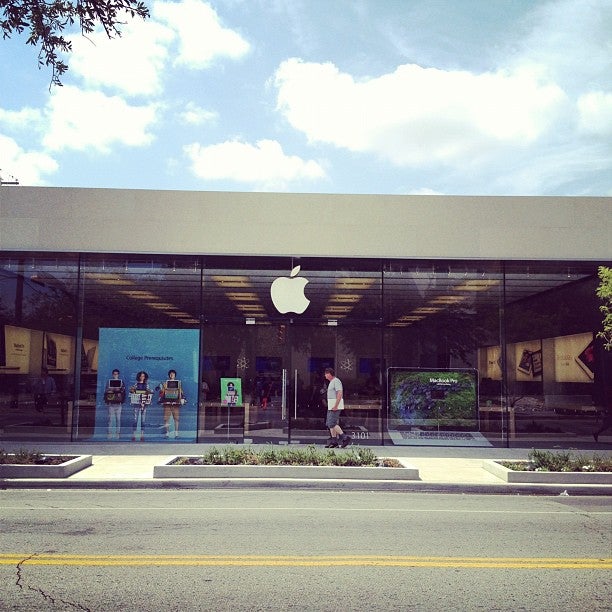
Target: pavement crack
[(19, 570), (54, 600)]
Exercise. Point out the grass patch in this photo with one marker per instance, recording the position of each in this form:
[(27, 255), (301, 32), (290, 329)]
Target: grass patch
[(560, 461), (272, 455), (24, 456)]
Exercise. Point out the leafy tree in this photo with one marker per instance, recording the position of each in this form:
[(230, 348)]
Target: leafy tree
[(45, 22), (604, 293)]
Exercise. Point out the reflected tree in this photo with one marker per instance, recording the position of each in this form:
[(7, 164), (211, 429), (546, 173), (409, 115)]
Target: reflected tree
[(604, 293)]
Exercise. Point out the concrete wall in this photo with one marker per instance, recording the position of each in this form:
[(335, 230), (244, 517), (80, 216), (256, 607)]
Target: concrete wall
[(116, 220)]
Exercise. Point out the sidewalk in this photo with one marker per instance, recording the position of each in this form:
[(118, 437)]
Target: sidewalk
[(441, 469)]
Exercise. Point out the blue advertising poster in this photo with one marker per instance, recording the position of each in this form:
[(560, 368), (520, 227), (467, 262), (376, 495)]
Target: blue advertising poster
[(156, 398)]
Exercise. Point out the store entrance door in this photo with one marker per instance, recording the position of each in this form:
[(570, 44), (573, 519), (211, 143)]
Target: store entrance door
[(354, 354), (311, 349), (288, 383), (280, 369)]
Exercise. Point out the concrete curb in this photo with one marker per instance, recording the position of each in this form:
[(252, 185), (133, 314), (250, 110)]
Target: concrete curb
[(62, 470), (561, 478), (400, 486)]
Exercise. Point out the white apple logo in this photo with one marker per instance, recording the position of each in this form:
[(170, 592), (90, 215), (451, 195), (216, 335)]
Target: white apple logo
[(287, 293)]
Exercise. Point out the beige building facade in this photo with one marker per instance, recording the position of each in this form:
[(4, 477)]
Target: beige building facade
[(450, 320)]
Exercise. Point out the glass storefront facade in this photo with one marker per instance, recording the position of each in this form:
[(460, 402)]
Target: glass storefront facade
[(430, 352)]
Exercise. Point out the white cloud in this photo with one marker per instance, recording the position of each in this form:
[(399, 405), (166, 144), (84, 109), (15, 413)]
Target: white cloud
[(569, 167), (571, 39), (264, 164), (424, 191), (595, 113), (136, 62), (133, 63), (90, 120), (417, 115), (28, 167), (202, 37), (24, 118), (195, 115)]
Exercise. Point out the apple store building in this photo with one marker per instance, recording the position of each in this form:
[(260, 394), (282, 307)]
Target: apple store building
[(135, 315)]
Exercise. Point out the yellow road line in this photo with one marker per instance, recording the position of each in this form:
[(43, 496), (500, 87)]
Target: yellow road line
[(304, 561)]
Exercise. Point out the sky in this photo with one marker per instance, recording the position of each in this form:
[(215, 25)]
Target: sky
[(452, 97)]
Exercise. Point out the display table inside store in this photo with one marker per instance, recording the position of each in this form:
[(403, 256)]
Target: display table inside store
[(591, 409), (218, 416), (363, 405), (487, 411), (364, 413)]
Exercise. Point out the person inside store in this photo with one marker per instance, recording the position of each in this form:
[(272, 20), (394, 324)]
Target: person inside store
[(204, 390), (44, 389), (606, 416), (266, 392)]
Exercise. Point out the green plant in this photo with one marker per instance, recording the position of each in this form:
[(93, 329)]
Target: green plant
[(45, 23), (604, 293), (23, 456), (271, 455), (561, 461), (549, 461)]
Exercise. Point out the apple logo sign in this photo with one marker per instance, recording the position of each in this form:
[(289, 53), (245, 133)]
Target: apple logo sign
[(287, 293)]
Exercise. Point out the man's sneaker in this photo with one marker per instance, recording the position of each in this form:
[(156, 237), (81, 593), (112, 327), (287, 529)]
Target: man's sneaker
[(332, 443), (346, 440)]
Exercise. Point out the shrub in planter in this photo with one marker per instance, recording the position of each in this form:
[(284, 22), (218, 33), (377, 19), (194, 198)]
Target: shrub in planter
[(271, 455), (34, 464), (24, 456), (562, 461)]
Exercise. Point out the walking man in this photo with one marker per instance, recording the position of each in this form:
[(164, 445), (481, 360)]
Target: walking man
[(335, 406)]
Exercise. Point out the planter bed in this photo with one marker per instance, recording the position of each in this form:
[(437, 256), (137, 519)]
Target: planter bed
[(522, 476), (167, 470), (62, 470)]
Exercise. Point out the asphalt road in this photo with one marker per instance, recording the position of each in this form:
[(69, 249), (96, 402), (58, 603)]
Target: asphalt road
[(302, 550)]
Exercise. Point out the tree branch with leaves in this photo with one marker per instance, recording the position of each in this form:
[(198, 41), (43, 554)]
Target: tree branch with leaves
[(604, 293), (45, 23)]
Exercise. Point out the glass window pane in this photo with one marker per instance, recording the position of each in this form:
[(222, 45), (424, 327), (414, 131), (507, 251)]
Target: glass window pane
[(38, 322), (528, 329), (445, 317), (556, 368), (140, 314)]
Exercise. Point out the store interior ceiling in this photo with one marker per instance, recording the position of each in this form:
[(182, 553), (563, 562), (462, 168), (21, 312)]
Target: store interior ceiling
[(178, 292)]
